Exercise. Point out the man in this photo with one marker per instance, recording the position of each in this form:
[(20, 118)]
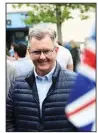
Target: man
[(11, 51), (64, 58), (75, 54), (37, 102), (22, 64)]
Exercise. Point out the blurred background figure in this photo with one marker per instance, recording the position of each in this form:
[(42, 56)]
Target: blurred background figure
[(64, 57), (75, 54), (23, 65), (11, 75), (11, 51), (68, 46)]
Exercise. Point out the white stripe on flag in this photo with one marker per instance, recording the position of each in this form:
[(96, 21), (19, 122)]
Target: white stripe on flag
[(84, 117), (89, 96), (86, 71), (91, 45)]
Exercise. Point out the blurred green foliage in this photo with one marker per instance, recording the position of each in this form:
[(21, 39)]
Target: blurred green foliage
[(56, 12)]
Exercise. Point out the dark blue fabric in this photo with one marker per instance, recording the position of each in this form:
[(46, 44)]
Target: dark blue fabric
[(83, 82), (23, 111), (87, 128)]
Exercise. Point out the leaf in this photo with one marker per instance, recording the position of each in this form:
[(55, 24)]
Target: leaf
[(83, 17), (13, 6), (20, 5), (28, 4)]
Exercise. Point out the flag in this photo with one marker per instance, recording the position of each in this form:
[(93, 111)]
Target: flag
[(81, 107)]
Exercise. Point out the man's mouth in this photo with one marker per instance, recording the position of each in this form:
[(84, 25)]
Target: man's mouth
[(43, 63)]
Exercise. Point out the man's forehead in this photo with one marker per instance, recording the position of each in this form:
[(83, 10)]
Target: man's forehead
[(46, 37), (46, 40)]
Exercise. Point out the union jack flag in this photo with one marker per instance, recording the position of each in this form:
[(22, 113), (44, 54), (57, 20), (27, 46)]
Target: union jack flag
[(81, 107)]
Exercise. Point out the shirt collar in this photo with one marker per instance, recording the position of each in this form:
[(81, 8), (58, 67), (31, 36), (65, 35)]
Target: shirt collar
[(47, 76)]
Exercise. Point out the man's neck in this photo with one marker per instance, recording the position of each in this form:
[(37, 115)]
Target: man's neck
[(20, 58)]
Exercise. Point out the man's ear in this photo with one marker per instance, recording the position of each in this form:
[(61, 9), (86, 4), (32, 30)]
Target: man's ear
[(15, 55), (57, 49)]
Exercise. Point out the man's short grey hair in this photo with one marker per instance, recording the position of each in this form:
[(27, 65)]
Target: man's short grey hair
[(40, 33)]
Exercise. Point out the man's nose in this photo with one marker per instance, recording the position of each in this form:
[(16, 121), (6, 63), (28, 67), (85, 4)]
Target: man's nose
[(42, 55)]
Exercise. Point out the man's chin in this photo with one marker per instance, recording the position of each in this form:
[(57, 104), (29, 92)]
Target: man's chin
[(42, 71), (43, 68)]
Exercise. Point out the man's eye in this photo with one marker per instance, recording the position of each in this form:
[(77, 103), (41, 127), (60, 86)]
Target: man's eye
[(46, 51), (36, 52)]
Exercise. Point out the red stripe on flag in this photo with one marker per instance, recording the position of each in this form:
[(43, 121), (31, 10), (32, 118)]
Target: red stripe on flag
[(81, 108), (89, 58)]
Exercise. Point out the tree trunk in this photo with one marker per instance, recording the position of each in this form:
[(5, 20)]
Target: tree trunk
[(58, 17)]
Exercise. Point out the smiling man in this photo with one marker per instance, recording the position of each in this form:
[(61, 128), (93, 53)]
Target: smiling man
[(43, 53), (37, 102)]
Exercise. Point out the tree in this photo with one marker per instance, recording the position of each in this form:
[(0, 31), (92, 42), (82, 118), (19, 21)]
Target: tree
[(56, 13)]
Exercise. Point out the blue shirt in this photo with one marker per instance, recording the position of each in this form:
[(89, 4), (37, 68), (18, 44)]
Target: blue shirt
[(43, 84)]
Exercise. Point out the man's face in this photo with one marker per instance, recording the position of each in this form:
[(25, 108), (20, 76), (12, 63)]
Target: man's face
[(45, 60)]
